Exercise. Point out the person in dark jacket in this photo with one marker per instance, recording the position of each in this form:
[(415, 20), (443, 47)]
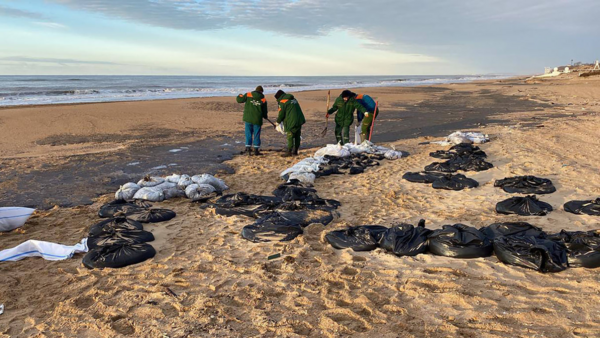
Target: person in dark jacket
[(290, 114), (366, 119), (344, 105), (255, 110)]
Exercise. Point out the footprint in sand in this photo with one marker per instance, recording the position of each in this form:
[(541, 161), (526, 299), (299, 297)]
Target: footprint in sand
[(84, 302), (121, 325)]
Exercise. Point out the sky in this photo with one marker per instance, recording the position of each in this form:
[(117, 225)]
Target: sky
[(295, 37)]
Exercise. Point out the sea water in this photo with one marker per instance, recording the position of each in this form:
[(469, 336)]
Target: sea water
[(33, 90)]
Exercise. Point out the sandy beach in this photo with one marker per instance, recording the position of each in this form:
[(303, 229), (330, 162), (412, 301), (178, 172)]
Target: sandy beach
[(207, 281)]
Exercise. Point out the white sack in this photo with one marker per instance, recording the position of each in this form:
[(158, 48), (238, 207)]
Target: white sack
[(184, 181), (217, 183), (173, 178), (13, 217), (150, 194), (307, 178), (127, 191), (47, 250), (197, 192), (150, 181), (333, 150)]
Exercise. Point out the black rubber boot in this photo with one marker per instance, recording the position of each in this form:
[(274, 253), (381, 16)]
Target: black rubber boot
[(249, 151), (257, 152), (287, 154), (295, 152)]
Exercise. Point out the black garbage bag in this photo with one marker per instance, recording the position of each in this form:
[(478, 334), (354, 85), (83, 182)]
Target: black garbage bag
[(463, 149), (442, 154), (120, 237), (405, 239), (526, 185), (589, 207), (531, 252), (356, 170), (422, 177), (359, 238), (496, 230), (114, 224), (327, 170), (244, 204), (305, 217), (272, 227), (444, 167), (454, 182), (583, 247), (524, 206), (459, 241), (154, 215), (469, 163), (241, 199), (122, 207), (475, 164), (118, 256)]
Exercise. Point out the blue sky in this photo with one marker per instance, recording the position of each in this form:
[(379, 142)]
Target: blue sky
[(295, 37)]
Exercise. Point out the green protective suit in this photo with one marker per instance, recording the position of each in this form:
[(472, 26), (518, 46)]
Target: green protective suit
[(344, 117), (290, 114), (255, 108)]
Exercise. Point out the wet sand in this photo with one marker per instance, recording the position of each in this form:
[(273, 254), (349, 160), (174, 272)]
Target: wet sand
[(206, 281)]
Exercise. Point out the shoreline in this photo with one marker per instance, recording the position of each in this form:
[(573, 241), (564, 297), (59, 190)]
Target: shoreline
[(515, 77)]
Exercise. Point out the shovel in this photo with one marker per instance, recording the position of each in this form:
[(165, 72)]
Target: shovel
[(324, 132), (273, 124)]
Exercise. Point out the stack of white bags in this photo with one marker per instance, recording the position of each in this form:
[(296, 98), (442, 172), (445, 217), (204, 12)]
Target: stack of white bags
[(158, 189), (304, 170)]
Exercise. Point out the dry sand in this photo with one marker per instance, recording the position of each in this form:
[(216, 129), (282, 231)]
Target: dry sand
[(206, 281)]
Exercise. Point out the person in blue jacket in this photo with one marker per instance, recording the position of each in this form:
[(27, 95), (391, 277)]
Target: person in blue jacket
[(366, 119)]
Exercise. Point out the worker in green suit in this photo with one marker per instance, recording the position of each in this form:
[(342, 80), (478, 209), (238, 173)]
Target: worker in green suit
[(255, 110), (290, 114), (344, 107)]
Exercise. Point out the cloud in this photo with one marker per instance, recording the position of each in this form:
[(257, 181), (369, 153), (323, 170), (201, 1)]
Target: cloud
[(484, 31), (55, 61), (17, 13), (51, 24)]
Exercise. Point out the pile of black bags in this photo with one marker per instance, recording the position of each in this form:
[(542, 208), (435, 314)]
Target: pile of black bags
[(441, 180), (526, 185), (280, 217), (353, 164), (118, 242), (513, 243), (121, 240), (465, 157)]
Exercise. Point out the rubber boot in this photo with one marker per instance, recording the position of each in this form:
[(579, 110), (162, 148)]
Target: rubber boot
[(287, 153), (295, 152), (249, 151), (257, 152)]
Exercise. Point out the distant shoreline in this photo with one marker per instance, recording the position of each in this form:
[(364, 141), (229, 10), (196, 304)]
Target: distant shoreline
[(196, 93)]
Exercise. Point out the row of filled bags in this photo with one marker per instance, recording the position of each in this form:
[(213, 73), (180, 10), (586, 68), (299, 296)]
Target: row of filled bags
[(514, 243), (121, 240), (158, 189)]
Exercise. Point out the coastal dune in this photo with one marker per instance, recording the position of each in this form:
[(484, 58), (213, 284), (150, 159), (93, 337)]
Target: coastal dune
[(207, 281)]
